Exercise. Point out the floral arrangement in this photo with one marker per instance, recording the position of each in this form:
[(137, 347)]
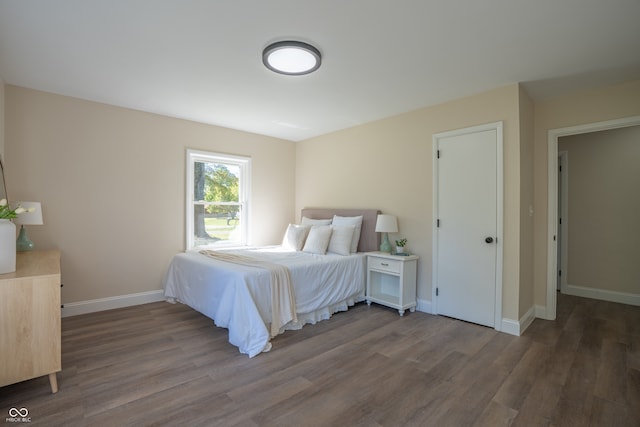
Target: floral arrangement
[(401, 242), (7, 213)]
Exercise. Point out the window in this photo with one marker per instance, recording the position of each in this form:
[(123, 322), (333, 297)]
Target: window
[(217, 199)]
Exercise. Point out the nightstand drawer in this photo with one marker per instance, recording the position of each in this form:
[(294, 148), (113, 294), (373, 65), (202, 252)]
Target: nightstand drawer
[(384, 264)]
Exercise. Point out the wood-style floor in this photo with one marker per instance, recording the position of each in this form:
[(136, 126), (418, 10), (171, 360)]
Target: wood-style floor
[(163, 364)]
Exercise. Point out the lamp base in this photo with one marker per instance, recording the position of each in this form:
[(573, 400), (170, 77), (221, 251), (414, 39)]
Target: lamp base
[(23, 243), (385, 246)]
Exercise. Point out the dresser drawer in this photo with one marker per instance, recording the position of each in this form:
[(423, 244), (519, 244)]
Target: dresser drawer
[(384, 264)]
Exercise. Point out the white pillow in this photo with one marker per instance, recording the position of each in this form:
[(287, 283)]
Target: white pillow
[(356, 221), (295, 236), (318, 240), (315, 222), (340, 242)]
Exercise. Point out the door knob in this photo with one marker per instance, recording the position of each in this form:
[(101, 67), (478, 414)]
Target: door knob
[(489, 240)]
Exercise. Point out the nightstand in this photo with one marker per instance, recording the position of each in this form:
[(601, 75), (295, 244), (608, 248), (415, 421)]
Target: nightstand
[(391, 280)]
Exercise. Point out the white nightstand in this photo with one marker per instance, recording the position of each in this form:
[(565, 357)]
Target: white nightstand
[(391, 280)]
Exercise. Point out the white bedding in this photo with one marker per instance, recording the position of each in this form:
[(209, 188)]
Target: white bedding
[(238, 297)]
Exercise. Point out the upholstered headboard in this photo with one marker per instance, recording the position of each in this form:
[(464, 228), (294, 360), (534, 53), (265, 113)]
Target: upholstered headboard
[(369, 239)]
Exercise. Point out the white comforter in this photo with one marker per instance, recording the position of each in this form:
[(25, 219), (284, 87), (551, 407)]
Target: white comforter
[(238, 297)]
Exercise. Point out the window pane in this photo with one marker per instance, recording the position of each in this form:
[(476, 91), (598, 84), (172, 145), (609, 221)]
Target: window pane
[(217, 226), (217, 203), (216, 182)]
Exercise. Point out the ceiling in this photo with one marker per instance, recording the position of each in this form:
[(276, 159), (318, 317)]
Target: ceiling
[(201, 60)]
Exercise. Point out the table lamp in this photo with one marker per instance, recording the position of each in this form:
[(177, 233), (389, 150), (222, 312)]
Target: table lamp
[(386, 224), (33, 216)]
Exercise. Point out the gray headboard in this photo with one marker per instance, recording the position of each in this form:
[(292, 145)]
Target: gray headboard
[(369, 239)]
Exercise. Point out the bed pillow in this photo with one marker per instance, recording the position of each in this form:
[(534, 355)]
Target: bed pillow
[(356, 221), (295, 236), (315, 222), (340, 242), (318, 240)]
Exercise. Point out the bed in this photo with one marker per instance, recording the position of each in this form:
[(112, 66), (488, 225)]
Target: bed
[(258, 293)]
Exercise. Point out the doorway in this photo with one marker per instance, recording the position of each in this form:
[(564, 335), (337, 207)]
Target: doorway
[(553, 205), (467, 272)]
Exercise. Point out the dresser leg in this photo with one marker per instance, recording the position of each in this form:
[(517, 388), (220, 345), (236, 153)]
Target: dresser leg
[(53, 380)]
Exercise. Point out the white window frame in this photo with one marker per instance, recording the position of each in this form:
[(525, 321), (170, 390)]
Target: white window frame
[(244, 190)]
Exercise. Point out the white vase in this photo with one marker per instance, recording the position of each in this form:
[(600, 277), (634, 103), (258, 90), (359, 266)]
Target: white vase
[(399, 249), (7, 246)]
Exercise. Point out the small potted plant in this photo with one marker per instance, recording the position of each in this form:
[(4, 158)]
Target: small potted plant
[(400, 244), (8, 236)]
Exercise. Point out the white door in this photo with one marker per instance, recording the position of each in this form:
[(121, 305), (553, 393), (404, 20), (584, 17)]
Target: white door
[(468, 226)]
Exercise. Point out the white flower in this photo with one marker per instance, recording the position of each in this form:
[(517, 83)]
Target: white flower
[(7, 213)]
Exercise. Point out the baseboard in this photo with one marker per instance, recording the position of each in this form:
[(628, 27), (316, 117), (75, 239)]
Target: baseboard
[(424, 306), (509, 326), (601, 294), (101, 304), (541, 312), (527, 319), (517, 327)]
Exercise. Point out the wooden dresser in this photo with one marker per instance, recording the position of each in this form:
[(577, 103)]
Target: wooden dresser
[(30, 319)]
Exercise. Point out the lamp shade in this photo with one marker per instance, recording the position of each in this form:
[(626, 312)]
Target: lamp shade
[(29, 218), (387, 224)]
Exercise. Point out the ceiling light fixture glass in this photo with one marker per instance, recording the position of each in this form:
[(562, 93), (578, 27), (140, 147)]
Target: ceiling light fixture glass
[(292, 58)]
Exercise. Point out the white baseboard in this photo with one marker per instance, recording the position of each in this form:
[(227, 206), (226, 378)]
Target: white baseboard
[(613, 296), (424, 306), (527, 319), (510, 326), (517, 327), (580, 291), (541, 312), (101, 304)]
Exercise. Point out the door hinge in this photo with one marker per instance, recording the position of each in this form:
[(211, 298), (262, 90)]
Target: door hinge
[(560, 221), (437, 223), (559, 272), (560, 168), (436, 291), (554, 238), (438, 154)]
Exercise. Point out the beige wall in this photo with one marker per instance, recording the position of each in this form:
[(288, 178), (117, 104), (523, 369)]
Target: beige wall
[(607, 103), (603, 209), (526, 301), (98, 169), (387, 165), (112, 186)]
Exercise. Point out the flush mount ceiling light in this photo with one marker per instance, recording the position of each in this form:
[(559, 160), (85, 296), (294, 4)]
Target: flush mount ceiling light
[(291, 57)]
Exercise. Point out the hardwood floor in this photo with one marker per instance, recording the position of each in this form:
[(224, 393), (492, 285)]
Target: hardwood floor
[(163, 364)]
